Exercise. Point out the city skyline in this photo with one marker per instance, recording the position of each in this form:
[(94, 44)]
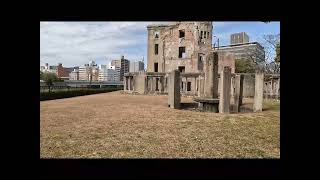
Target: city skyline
[(76, 43)]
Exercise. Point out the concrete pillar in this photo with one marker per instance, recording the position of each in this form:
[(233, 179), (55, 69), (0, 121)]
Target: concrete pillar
[(125, 84), (185, 85), (162, 79), (238, 94), (140, 83), (201, 86), (232, 86), (194, 87), (132, 83), (258, 94), (174, 89), (151, 83), (154, 83), (129, 83), (211, 76), (224, 103)]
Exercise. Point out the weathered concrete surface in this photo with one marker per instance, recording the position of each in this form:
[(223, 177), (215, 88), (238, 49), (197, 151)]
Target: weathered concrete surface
[(169, 41), (174, 90), (258, 95), (211, 76), (238, 95), (224, 104), (140, 83)]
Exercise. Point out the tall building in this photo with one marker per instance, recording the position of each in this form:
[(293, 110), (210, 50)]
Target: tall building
[(63, 72), (106, 73), (74, 75), (182, 45), (89, 71), (136, 66), (116, 72), (252, 51), (116, 63), (47, 68), (125, 64), (239, 38)]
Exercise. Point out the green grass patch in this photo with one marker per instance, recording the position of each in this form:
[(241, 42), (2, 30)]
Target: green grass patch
[(271, 105)]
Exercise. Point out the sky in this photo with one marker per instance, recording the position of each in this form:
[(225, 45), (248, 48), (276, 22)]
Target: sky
[(76, 43)]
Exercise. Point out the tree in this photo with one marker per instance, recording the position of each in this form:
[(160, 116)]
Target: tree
[(277, 58), (49, 78), (41, 74), (272, 47), (244, 66)]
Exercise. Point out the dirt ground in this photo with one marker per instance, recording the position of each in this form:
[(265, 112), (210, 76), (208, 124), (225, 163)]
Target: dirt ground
[(116, 125)]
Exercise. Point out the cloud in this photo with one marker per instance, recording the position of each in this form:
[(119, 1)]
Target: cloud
[(75, 43)]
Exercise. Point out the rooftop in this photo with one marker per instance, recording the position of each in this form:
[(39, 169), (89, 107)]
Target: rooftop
[(240, 44)]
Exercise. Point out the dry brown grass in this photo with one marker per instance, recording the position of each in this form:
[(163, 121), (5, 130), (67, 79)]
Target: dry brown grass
[(114, 125)]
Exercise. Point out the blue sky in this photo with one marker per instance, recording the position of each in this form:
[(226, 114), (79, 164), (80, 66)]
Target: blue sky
[(76, 43)]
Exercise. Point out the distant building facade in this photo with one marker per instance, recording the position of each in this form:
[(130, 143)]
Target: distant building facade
[(74, 75), (239, 38), (116, 72), (125, 64), (88, 71), (62, 72), (252, 51), (106, 74), (136, 66), (122, 64)]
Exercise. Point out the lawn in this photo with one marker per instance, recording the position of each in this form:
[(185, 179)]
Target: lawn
[(116, 125)]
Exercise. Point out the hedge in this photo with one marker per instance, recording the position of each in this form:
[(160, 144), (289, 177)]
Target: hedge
[(67, 94)]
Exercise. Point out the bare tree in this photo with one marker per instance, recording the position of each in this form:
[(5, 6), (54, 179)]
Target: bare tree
[(271, 43)]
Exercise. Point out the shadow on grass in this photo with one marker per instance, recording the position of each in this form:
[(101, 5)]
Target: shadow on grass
[(190, 105)]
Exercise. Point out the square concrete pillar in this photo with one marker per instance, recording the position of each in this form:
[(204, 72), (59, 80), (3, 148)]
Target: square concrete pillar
[(194, 87), (201, 86), (132, 83), (174, 89), (125, 83), (140, 83), (154, 85), (151, 84), (162, 79), (185, 84), (232, 86), (224, 103), (211, 76), (258, 94), (129, 83), (238, 94)]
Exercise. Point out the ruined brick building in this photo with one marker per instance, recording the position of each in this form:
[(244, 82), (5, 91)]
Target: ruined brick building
[(180, 45)]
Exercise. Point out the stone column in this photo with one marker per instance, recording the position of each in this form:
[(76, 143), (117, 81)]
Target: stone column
[(125, 83), (194, 87), (238, 94), (224, 103), (133, 82), (140, 83), (162, 84), (151, 83), (201, 86), (185, 85), (154, 83), (129, 83), (232, 86), (174, 90), (211, 76), (258, 94)]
